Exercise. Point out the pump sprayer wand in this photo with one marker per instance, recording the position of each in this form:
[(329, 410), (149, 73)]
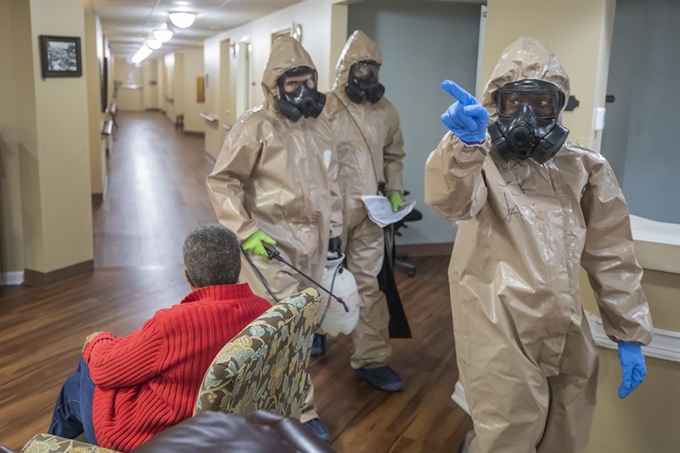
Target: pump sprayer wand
[(273, 253)]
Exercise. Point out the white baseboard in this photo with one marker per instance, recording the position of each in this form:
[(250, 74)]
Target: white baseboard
[(665, 345), (12, 278), (458, 397)]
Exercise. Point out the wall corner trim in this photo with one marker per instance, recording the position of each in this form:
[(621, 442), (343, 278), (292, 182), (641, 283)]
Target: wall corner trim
[(11, 278), (44, 279), (664, 346)]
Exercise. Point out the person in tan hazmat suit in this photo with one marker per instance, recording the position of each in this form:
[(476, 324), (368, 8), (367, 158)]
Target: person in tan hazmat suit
[(532, 208), (370, 152), (274, 183)]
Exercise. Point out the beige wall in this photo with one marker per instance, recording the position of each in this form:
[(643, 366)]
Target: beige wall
[(193, 68), (129, 99), (93, 53), (182, 69), (324, 25), (178, 85), (150, 73), (339, 34), (213, 100), (111, 68), (580, 36), (171, 106), (169, 71), (646, 421), (160, 77), (17, 125), (56, 180)]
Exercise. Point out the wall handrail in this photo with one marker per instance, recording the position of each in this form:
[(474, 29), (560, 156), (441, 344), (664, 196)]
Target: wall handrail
[(108, 128), (209, 118)]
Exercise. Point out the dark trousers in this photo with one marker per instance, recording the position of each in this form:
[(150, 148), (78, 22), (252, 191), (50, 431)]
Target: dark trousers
[(73, 411)]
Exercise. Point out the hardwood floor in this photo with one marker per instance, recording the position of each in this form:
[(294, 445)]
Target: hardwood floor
[(421, 418), (156, 196)]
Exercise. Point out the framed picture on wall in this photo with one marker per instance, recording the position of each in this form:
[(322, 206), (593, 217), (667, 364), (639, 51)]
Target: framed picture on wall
[(60, 56)]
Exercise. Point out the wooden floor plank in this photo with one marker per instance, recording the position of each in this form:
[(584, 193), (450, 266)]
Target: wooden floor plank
[(156, 196)]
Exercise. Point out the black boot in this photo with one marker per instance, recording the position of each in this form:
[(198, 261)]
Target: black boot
[(382, 377), (319, 429), (319, 345)]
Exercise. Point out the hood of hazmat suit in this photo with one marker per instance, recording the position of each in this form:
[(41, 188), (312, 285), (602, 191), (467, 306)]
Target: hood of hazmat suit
[(525, 352), (278, 176)]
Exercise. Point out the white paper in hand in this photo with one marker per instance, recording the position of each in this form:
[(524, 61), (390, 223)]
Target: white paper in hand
[(380, 212)]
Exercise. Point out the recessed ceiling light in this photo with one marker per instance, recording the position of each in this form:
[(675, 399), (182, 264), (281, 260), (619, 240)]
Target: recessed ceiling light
[(182, 19), (163, 35)]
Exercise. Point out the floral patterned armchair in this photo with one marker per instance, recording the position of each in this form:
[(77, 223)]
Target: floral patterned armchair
[(46, 443), (263, 367)]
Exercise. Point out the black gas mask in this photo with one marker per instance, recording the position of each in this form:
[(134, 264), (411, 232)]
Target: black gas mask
[(363, 83), (527, 125), (298, 94)]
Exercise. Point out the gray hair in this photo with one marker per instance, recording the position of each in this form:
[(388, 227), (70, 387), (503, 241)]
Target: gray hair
[(212, 256)]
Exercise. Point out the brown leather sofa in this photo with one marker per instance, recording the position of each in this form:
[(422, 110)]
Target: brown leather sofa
[(261, 432), (209, 432)]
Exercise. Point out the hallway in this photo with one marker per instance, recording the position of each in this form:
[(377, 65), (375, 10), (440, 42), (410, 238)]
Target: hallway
[(157, 195)]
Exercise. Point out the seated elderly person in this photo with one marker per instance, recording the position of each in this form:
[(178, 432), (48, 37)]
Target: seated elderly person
[(128, 389)]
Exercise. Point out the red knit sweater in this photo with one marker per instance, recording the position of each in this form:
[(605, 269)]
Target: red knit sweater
[(149, 380)]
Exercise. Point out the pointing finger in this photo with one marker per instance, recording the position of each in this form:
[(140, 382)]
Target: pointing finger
[(457, 92)]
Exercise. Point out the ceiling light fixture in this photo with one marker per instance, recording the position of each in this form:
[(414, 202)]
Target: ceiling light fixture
[(182, 19), (154, 44), (163, 35), (141, 54), (145, 50)]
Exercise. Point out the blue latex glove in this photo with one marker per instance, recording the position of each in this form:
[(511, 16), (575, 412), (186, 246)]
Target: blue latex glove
[(466, 117), (632, 366)]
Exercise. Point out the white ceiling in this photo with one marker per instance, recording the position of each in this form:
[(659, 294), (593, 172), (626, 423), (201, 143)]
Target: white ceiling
[(129, 23)]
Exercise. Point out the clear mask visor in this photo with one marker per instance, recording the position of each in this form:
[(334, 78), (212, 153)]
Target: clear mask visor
[(365, 70), (292, 80), (544, 98)]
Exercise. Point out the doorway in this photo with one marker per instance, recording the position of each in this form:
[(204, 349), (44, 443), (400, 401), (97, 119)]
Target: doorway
[(242, 77), (226, 103)]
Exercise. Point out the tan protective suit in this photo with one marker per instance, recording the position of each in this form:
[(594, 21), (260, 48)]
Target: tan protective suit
[(370, 148), (525, 353), (279, 176)]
